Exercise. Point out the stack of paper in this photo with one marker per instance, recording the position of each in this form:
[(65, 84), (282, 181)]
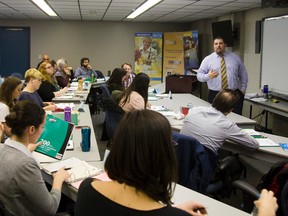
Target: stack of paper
[(78, 169), (262, 140)]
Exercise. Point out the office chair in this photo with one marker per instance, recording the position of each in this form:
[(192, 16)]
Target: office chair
[(105, 91), (195, 165), (113, 116), (18, 75), (276, 179), (99, 74), (200, 170)]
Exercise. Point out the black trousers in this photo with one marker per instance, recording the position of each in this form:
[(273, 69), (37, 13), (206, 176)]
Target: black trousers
[(238, 107)]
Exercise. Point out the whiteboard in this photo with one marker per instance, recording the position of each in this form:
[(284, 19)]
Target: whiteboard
[(274, 61)]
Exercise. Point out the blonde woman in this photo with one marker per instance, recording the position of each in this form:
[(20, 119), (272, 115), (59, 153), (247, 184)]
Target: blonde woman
[(48, 88), (33, 80)]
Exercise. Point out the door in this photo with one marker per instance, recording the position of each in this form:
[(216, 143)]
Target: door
[(14, 50)]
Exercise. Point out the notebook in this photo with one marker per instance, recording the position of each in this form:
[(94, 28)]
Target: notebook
[(78, 169), (55, 137)]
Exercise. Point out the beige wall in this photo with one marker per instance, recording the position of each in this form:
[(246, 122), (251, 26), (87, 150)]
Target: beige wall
[(107, 44), (245, 47)]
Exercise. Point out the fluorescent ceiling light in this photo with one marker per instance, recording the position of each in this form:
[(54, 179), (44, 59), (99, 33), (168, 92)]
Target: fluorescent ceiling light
[(148, 4), (45, 7)]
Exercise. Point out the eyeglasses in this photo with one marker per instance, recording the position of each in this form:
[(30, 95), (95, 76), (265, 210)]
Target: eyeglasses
[(49, 67), (46, 59)]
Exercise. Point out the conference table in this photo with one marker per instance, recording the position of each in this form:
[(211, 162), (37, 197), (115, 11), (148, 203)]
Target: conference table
[(271, 154), (84, 119), (73, 95), (179, 100), (181, 194)]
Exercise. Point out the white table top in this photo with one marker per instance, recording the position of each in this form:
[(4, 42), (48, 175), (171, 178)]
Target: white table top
[(92, 155), (264, 153), (179, 100), (73, 95), (181, 194), (270, 154)]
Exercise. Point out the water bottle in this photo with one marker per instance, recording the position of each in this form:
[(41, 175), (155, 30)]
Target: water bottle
[(67, 114), (92, 78), (85, 143)]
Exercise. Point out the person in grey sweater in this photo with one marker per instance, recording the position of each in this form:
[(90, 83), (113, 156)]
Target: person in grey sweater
[(22, 188)]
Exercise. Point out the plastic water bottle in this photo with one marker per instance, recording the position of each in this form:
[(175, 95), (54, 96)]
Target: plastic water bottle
[(92, 78), (67, 114), (170, 95)]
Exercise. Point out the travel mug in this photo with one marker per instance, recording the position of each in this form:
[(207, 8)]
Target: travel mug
[(85, 144)]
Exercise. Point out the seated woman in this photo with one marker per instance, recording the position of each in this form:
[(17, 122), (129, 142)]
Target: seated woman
[(115, 82), (135, 97), (23, 190), (63, 73), (142, 166), (33, 79), (10, 90), (48, 88)]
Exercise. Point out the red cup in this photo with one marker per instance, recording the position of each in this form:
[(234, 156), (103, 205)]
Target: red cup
[(184, 110)]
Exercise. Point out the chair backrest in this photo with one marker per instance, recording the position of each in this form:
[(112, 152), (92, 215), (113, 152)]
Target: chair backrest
[(194, 165), (18, 75), (284, 199), (105, 90), (99, 74), (113, 116)]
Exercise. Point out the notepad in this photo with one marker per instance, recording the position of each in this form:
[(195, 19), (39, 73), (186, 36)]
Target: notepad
[(55, 137), (79, 169), (102, 177), (264, 142), (158, 108)]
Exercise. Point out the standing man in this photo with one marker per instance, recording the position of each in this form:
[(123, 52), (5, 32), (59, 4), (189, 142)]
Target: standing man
[(85, 70), (224, 70)]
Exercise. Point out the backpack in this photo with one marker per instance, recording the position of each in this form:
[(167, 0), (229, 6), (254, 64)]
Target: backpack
[(274, 180)]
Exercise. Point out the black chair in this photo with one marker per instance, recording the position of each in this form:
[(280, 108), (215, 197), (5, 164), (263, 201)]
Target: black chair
[(18, 75), (99, 74), (276, 179), (199, 168), (105, 91), (113, 116), (195, 165)]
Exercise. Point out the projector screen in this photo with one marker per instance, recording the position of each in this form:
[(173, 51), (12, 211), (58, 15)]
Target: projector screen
[(274, 61)]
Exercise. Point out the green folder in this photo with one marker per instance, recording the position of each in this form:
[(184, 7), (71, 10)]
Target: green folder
[(55, 137)]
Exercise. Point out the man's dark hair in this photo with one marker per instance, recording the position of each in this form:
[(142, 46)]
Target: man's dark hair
[(219, 38), (84, 59), (225, 100)]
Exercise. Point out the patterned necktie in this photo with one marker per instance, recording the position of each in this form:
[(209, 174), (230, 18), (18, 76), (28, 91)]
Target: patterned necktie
[(224, 81)]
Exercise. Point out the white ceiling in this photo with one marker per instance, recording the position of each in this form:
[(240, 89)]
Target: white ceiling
[(117, 10)]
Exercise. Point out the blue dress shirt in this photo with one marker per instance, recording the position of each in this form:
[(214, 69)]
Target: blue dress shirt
[(236, 72)]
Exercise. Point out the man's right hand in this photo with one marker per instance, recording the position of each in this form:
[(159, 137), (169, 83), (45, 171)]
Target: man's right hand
[(213, 74)]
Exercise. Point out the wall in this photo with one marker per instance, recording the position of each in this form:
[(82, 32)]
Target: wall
[(107, 44), (245, 47)]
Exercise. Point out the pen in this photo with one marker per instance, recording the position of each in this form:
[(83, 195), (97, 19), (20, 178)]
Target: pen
[(200, 210), (68, 168)]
